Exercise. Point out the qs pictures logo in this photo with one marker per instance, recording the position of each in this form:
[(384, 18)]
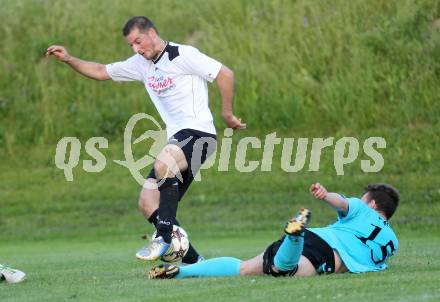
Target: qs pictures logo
[(345, 150), (158, 136)]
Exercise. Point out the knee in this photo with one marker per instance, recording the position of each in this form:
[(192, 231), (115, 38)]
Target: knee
[(162, 168), (169, 161)]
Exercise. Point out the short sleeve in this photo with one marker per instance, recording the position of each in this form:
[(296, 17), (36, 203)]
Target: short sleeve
[(355, 206), (194, 62), (123, 71)]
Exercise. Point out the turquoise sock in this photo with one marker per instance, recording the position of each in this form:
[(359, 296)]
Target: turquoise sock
[(215, 267), (288, 254)]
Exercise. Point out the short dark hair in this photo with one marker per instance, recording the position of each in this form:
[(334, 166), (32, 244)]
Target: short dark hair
[(386, 197), (139, 22)]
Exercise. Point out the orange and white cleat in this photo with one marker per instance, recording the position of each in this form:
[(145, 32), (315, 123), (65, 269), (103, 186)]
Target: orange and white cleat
[(296, 225)]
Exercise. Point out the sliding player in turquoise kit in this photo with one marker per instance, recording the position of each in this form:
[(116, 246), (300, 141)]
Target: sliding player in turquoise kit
[(361, 240)]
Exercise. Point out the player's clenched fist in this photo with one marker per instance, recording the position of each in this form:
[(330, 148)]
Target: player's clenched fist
[(234, 122), (318, 191), (59, 52)]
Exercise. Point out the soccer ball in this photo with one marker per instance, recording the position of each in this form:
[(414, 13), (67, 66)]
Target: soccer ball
[(180, 244)]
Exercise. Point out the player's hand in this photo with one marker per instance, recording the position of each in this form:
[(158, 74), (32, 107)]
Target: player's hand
[(59, 52), (233, 122), (318, 191)]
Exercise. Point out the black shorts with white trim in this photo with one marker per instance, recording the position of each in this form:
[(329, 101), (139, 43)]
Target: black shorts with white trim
[(319, 253), (197, 146)]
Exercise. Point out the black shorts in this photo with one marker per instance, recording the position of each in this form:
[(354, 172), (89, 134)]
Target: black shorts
[(315, 249), (197, 146)]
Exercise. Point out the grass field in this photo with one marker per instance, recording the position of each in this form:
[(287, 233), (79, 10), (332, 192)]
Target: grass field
[(77, 240), (105, 270)]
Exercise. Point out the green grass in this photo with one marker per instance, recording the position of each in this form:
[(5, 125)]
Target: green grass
[(374, 63), (38, 203), (106, 270), (77, 240)]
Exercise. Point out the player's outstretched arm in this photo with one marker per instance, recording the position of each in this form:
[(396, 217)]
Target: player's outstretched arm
[(91, 70), (338, 202), (225, 84)]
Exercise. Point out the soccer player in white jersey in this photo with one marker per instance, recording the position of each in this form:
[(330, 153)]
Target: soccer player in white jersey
[(360, 241), (175, 77)]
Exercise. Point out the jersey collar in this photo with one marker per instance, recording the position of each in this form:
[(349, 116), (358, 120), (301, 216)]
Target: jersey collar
[(161, 54)]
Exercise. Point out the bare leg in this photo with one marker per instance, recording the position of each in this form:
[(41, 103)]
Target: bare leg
[(252, 266), (305, 268), (169, 162), (149, 198), (224, 267), (149, 203)]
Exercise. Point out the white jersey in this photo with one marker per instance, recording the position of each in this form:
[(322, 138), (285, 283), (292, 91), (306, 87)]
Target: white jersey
[(177, 84)]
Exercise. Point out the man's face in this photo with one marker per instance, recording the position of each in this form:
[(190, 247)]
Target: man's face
[(143, 43)]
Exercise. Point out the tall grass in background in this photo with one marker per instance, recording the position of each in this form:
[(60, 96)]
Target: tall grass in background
[(316, 67)]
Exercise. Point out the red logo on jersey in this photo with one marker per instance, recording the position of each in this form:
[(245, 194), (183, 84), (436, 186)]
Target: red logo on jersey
[(160, 84)]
